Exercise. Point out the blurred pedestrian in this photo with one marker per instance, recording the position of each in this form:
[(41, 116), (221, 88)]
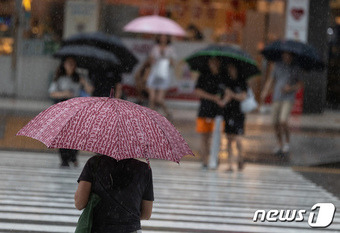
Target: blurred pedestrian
[(125, 189), (235, 93), (162, 58), (207, 89), (286, 80), (141, 78), (194, 34), (67, 84), (105, 79)]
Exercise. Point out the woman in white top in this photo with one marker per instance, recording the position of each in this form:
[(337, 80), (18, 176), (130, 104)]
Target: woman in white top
[(68, 84), (162, 57)]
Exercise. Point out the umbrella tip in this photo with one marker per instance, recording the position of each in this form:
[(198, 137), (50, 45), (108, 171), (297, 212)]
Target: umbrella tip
[(112, 92)]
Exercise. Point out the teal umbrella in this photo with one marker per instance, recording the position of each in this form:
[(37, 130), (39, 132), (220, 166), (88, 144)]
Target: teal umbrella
[(246, 65)]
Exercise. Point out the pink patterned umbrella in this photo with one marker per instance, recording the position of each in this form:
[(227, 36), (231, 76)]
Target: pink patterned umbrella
[(113, 127), (155, 24)]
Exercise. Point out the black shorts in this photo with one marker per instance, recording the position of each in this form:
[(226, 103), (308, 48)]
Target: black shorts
[(234, 124)]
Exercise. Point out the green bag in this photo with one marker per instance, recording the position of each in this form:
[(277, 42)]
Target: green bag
[(85, 221)]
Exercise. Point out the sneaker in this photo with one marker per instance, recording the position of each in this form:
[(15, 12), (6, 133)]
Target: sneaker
[(285, 148)]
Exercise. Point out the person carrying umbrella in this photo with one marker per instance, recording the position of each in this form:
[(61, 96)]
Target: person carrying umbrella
[(162, 58), (114, 186), (235, 93), (68, 84), (286, 80), (126, 191), (211, 86), (291, 59), (207, 89)]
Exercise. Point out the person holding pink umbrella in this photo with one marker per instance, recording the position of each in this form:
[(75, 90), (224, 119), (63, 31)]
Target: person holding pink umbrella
[(126, 191), (162, 58), (114, 186)]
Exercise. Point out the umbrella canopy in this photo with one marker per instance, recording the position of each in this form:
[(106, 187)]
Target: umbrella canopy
[(106, 42), (155, 24), (227, 54), (113, 127), (305, 55), (89, 57)]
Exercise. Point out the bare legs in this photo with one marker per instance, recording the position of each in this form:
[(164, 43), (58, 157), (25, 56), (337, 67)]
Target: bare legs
[(240, 161), (205, 148), (281, 112), (282, 133), (156, 98)]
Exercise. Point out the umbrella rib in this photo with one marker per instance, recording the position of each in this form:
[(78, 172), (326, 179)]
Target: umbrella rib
[(161, 129), (87, 102)]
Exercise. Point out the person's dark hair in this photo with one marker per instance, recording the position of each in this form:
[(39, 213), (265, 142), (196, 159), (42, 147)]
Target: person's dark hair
[(168, 39), (120, 177), (197, 34), (62, 72)]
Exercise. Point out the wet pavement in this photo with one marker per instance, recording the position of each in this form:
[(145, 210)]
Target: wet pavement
[(204, 199), (315, 139), (37, 196)]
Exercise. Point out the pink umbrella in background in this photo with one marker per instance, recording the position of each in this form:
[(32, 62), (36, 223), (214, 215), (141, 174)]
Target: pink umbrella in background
[(155, 24), (113, 127)]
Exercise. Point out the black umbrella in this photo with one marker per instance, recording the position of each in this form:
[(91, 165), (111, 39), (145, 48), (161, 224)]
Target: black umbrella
[(304, 55), (106, 42), (89, 57), (227, 54)]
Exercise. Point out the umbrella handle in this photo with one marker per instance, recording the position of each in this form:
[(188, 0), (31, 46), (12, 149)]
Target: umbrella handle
[(112, 92)]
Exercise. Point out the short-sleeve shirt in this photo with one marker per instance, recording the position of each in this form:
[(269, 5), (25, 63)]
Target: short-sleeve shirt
[(65, 83), (127, 182), (169, 52), (232, 108), (212, 84), (285, 74)]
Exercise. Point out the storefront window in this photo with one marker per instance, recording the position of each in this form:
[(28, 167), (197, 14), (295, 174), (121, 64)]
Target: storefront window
[(6, 24), (41, 23)]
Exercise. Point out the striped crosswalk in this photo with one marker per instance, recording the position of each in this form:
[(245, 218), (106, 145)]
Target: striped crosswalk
[(37, 196)]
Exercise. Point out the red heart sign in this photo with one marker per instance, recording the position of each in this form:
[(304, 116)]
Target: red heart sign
[(297, 13)]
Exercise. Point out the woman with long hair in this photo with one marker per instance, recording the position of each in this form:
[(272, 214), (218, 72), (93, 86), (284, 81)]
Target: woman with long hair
[(162, 58), (67, 84)]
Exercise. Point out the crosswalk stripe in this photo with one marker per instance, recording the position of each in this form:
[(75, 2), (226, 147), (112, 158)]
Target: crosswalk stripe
[(37, 196)]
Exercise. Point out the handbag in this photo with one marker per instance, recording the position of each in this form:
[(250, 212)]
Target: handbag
[(85, 220), (249, 104)]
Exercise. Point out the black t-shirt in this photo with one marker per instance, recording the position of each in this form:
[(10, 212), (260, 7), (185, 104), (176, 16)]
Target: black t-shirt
[(128, 182), (212, 84), (237, 86)]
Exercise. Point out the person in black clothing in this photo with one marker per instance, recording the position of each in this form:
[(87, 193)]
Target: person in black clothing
[(236, 91), (207, 89), (125, 189), (105, 79)]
